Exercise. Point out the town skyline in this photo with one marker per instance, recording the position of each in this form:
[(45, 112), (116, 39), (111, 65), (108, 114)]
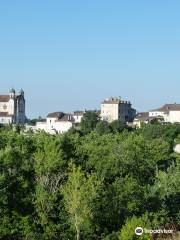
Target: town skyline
[(71, 55), (112, 110), (96, 106), (89, 119)]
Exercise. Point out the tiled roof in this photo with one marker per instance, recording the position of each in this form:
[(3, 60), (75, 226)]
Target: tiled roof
[(167, 108), (142, 116), (67, 118), (4, 98), (60, 116), (55, 115)]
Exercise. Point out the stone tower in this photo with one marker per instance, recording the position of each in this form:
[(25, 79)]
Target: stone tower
[(20, 108)]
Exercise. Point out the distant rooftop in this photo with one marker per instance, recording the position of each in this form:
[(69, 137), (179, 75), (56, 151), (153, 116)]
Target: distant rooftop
[(68, 117), (6, 98), (61, 117), (55, 115), (142, 116), (167, 108), (115, 100), (78, 113)]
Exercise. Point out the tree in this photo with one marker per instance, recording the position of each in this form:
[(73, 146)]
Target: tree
[(128, 230), (79, 193), (139, 158), (49, 165), (89, 121), (118, 126), (168, 132), (35, 120), (118, 201), (116, 178), (16, 186), (102, 127), (167, 187)]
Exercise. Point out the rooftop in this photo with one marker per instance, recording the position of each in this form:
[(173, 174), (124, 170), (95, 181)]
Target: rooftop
[(4, 98), (55, 115), (78, 113), (167, 108), (114, 100), (66, 118), (142, 116)]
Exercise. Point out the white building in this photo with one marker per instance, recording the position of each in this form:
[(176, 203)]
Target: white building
[(142, 117), (78, 116), (169, 113), (59, 122), (12, 108), (116, 109)]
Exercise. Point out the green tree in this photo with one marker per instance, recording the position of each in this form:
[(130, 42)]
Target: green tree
[(119, 200), (89, 121), (167, 132), (128, 230), (16, 186), (118, 126), (115, 176), (167, 187), (79, 193), (102, 127), (50, 172)]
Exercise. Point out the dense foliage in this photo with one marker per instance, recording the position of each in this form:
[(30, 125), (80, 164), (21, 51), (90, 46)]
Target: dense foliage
[(97, 182)]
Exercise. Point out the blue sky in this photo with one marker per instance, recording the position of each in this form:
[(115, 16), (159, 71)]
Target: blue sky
[(70, 55)]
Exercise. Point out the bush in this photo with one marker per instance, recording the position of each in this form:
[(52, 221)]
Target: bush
[(128, 230)]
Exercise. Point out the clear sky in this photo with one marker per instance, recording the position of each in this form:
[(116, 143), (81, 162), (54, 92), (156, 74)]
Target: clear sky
[(71, 54)]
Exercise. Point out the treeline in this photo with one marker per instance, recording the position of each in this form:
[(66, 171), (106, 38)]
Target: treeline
[(99, 181)]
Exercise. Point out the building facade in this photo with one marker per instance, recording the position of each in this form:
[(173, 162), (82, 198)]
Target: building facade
[(12, 108), (78, 115), (59, 122), (116, 109), (169, 113), (141, 117)]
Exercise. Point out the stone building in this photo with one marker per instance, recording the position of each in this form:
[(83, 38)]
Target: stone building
[(141, 117), (169, 113), (12, 108), (59, 122), (116, 109), (78, 116)]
